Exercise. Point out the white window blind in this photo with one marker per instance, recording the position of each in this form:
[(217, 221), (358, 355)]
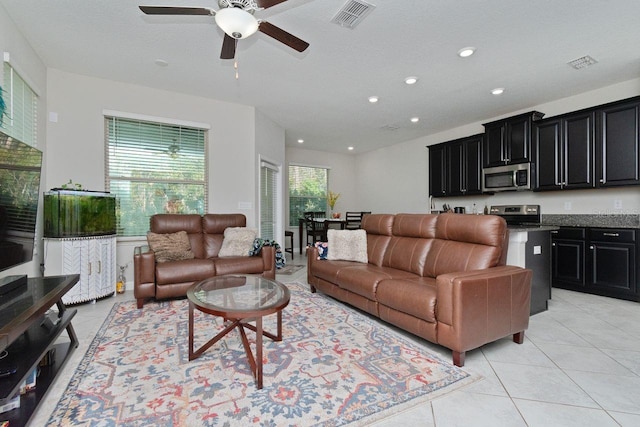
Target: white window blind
[(20, 101), (268, 199), (154, 168), (307, 191)]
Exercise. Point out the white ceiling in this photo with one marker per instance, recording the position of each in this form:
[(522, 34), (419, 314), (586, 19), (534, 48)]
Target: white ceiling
[(321, 95)]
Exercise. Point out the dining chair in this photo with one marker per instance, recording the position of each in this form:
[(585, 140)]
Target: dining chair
[(316, 230)]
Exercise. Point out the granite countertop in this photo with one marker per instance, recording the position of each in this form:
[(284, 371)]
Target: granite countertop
[(597, 220), (532, 228)]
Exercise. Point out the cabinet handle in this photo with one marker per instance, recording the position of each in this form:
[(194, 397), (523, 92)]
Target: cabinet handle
[(591, 247), (89, 269), (553, 244), (611, 234), (554, 232), (99, 267)]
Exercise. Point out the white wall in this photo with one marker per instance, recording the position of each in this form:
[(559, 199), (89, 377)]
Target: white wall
[(76, 139), (25, 60), (395, 179), (270, 147), (342, 179)]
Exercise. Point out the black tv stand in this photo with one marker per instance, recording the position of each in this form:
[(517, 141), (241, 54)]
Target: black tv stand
[(10, 283), (27, 334)]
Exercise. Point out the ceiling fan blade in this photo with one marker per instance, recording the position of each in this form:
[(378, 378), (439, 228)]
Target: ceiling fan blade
[(282, 36), (228, 47), (168, 10), (265, 4)]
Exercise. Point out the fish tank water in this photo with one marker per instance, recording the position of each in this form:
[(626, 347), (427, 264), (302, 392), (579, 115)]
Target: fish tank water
[(78, 213)]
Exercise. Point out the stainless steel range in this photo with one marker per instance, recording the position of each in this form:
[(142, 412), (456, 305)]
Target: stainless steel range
[(518, 214)]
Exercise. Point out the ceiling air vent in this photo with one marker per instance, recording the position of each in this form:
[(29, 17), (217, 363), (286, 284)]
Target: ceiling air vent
[(352, 13), (583, 62), (390, 127)]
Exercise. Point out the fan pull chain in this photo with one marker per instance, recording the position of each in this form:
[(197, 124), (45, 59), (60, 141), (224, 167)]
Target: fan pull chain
[(235, 65)]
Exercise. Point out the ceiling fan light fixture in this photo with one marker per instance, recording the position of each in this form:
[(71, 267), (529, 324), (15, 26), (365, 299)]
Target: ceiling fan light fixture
[(236, 23)]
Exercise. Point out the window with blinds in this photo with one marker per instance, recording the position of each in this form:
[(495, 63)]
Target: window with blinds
[(154, 168), (268, 199), (307, 191), (20, 107)]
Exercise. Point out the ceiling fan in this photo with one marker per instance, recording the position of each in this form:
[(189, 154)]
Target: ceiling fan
[(235, 18)]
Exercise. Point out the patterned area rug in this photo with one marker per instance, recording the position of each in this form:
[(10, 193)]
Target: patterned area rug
[(335, 366), (290, 269)]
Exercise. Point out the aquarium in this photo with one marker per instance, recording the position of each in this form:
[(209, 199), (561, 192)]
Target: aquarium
[(70, 213)]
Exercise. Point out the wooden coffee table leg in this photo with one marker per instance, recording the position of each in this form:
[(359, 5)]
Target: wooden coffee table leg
[(259, 352), (191, 357)]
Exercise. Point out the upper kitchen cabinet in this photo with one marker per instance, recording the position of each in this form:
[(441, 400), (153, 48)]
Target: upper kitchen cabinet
[(508, 141), (464, 166), (563, 152), (437, 171), (618, 146), (455, 167)]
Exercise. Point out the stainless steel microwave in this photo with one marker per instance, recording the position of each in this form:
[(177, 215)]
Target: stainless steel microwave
[(507, 178)]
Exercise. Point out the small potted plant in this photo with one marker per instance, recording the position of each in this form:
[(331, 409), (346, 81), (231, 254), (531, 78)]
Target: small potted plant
[(332, 198)]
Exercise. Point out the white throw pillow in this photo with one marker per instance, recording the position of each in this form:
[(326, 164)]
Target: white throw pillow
[(238, 241), (347, 245)]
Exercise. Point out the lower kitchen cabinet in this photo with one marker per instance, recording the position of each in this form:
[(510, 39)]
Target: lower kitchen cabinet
[(93, 258), (602, 261)]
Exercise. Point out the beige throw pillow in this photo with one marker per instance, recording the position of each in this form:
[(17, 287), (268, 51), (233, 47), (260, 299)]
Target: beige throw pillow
[(170, 246), (347, 245), (238, 241)]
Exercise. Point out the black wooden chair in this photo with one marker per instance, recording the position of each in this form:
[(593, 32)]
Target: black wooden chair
[(316, 230), (354, 220)]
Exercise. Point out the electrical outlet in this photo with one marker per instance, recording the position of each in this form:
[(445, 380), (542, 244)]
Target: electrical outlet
[(617, 204), (567, 206)]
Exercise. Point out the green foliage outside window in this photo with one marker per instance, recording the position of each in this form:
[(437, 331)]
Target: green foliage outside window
[(307, 191)]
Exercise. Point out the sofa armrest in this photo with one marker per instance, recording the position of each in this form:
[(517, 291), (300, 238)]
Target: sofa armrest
[(312, 257), (268, 254), (144, 273), (481, 306)]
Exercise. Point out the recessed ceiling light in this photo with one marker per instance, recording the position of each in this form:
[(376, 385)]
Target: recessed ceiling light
[(465, 52), (411, 80), (373, 99), (350, 148), (498, 91), (415, 119), (300, 141), (161, 62)]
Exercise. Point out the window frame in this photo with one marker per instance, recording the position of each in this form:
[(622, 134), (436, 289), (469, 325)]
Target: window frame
[(160, 122), (323, 204)]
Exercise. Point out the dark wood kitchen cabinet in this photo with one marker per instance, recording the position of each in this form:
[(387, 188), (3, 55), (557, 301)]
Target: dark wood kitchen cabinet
[(455, 167), (601, 261), (618, 144), (437, 171), (613, 262), (563, 152), (508, 141), (464, 166), (568, 258)]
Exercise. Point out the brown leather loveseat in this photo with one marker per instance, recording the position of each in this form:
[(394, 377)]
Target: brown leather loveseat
[(440, 277), (206, 233)]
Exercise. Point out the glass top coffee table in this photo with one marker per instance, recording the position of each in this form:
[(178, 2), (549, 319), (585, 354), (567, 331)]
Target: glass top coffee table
[(239, 299)]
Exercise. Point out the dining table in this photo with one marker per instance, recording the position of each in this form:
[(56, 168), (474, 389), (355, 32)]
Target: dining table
[(328, 222)]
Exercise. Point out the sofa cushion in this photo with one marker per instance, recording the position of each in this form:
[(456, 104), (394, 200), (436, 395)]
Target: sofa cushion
[(213, 226), (172, 223), (347, 245), (235, 265), (407, 253), (188, 270), (238, 241), (378, 228), (415, 225), (170, 246), (363, 279), (416, 297)]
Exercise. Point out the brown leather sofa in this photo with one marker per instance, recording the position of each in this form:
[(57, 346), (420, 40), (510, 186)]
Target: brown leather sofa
[(440, 277), (172, 279)]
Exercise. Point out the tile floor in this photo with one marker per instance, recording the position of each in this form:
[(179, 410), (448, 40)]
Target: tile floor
[(579, 366)]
